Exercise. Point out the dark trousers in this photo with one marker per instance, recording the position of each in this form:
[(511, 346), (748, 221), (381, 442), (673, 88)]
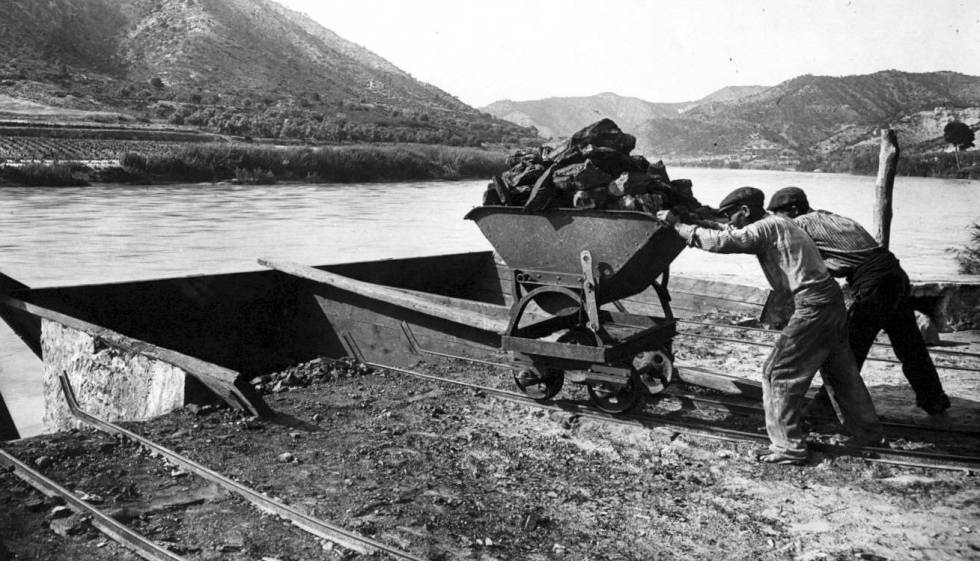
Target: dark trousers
[(814, 340), (885, 305)]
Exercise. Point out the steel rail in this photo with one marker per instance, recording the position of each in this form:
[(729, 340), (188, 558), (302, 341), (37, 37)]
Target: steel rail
[(719, 434), (776, 332), (109, 526), (770, 345), (910, 458), (320, 528), (702, 399), (754, 408)]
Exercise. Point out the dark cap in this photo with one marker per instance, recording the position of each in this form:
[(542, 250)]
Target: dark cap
[(789, 196), (749, 196)]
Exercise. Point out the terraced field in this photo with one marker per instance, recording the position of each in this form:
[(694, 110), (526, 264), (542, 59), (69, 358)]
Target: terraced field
[(33, 148)]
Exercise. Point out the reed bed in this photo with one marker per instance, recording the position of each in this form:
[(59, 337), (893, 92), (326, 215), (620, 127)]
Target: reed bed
[(328, 164), (43, 175)]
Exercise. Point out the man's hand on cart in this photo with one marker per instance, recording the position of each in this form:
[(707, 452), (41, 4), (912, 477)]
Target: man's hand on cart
[(668, 216)]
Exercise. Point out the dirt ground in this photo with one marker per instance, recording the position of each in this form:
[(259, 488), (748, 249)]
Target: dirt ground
[(452, 473)]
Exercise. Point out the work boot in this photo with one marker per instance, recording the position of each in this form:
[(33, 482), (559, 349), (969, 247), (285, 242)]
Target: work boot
[(935, 405), (941, 420)]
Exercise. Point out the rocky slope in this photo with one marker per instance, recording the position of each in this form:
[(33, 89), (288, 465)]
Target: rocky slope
[(818, 116), (808, 120), (249, 67), (556, 117)]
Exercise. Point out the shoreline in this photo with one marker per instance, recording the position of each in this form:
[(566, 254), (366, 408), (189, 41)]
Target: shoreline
[(255, 164), (53, 161), (119, 175)]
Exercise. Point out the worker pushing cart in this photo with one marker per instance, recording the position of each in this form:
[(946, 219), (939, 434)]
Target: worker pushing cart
[(815, 337)]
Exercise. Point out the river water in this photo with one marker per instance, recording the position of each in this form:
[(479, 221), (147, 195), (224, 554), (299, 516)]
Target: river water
[(67, 236)]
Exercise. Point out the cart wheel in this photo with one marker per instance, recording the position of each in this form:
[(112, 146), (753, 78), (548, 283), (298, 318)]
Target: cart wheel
[(540, 384), (614, 399), (655, 369)]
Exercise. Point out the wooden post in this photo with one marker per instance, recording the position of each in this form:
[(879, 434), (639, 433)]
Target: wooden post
[(887, 164)]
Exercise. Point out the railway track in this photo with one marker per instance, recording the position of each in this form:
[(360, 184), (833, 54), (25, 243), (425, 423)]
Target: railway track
[(768, 345), (775, 333), (935, 352), (723, 403), (907, 458), (145, 547), (352, 541), (118, 532)]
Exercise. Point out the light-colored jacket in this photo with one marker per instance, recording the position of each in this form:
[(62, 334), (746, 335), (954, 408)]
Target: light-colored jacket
[(789, 258)]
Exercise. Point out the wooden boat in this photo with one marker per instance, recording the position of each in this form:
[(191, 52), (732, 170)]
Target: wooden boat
[(137, 349), (584, 292), (188, 337)]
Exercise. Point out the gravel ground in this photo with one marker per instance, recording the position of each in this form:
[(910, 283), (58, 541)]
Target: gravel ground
[(452, 473)]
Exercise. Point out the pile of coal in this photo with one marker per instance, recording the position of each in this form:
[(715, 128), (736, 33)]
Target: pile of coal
[(318, 370), (593, 169)]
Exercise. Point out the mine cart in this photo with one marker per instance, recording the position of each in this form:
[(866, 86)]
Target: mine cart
[(566, 264)]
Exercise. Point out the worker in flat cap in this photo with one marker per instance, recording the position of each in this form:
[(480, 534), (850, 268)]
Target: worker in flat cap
[(880, 290), (815, 337)]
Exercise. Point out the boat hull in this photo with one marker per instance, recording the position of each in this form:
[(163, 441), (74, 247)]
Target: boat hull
[(221, 331)]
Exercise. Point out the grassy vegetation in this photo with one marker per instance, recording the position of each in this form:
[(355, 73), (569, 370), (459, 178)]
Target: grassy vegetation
[(43, 175), (264, 164), (969, 257), (932, 164), (333, 164)]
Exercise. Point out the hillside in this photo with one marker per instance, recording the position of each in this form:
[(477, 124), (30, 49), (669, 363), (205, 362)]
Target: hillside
[(556, 117), (238, 67), (730, 93), (805, 123), (817, 119)]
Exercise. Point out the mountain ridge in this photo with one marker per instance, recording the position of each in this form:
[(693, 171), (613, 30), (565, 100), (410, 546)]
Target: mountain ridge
[(239, 67), (800, 118), (805, 122), (561, 116)]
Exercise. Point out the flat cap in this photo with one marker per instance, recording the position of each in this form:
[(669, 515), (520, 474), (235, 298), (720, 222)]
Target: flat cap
[(789, 196), (749, 196)]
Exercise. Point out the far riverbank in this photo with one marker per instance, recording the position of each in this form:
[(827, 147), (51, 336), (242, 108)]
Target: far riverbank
[(939, 165), (250, 164), (60, 162)]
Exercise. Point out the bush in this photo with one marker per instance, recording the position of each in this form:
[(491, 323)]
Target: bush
[(254, 177), (121, 175), (340, 164), (133, 161), (42, 175), (969, 256), (933, 164)]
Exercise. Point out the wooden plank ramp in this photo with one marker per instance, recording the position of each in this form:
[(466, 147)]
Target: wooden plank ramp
[(442, 307)]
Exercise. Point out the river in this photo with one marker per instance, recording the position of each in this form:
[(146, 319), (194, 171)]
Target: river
[(67, 236)]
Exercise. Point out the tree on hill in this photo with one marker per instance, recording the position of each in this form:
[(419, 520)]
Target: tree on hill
[(960, 135)]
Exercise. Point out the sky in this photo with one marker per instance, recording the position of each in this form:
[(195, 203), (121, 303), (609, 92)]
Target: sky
[(659, 51)]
